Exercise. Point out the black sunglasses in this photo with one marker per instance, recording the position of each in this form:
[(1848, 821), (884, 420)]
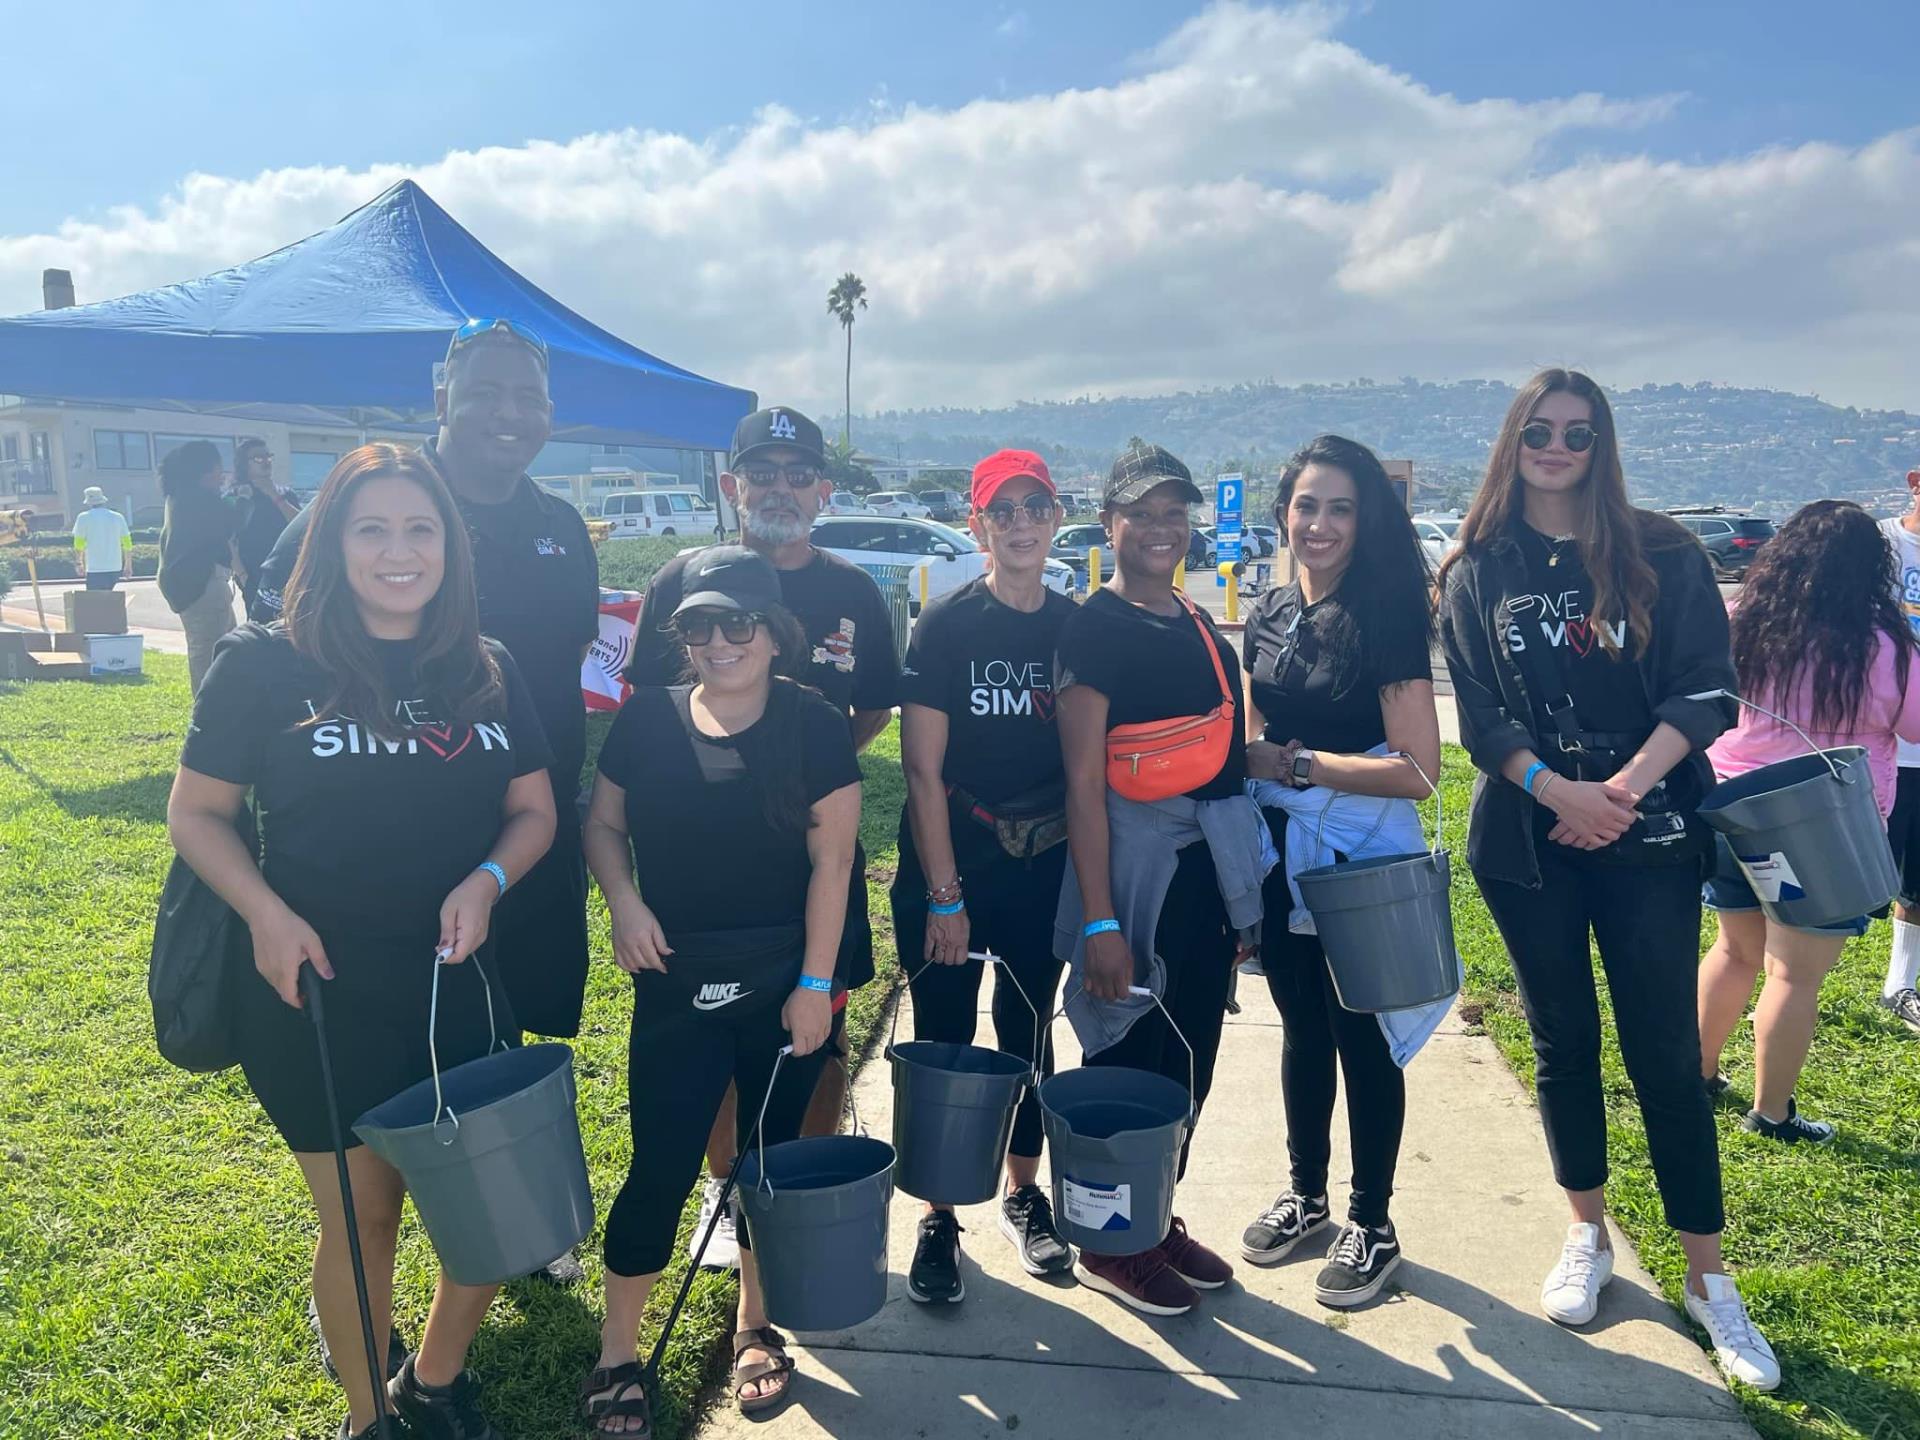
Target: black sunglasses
[(1037, 507), (1538, 435), (798, 477), (738, 628)]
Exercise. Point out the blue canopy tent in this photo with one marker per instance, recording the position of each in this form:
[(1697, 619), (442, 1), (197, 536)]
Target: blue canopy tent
[(349, 324)]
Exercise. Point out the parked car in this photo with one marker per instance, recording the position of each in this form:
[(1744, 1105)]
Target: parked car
[(635, 514), (1202, 548), (1732, 537), (1437, 534), (950, 557), (949, 507), (900, 504), (845, 502), (1262, 542), (1071, 544)]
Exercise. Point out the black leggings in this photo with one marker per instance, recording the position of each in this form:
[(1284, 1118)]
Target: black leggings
[(1318, 1036), (1196, 943), (1646, 920), (1010, 908), (680, 1060)]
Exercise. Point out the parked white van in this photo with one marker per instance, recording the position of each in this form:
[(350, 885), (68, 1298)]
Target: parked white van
[(635, 514)]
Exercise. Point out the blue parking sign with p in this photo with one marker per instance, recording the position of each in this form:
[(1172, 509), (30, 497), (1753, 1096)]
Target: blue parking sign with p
[(1229, 509)]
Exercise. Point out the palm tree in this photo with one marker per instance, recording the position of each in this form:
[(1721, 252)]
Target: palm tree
[(849, 293)]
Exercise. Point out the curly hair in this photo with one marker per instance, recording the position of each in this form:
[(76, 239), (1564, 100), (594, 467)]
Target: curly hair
[(1393, 579), (1817, 599)]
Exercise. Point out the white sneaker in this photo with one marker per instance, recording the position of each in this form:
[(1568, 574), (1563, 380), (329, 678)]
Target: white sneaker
[(1571, 1294), (1742, 1351), (723, 1251)]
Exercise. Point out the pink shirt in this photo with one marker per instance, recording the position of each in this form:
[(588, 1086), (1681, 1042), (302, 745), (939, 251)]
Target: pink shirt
[(1884, 715)]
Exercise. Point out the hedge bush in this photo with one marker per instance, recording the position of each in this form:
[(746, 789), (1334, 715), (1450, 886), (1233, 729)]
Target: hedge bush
[(631, 564), (64, 564)]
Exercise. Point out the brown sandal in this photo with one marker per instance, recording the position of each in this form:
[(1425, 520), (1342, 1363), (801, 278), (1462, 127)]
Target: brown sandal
[(781, 1364), (617, 1393)]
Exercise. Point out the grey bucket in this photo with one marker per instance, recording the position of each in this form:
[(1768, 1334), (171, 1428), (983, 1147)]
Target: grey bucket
[(1115, 1135), (1808, 835), (490, 1151), (817, 1219), (953, 1109), (1386, 925)]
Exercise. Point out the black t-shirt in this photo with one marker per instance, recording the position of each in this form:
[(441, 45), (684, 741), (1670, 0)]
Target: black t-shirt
[(1609, 696), (704, 855), (989, 668), (360, 835), (1294, 679), (539, 584), (1151, 667), (849, 632)]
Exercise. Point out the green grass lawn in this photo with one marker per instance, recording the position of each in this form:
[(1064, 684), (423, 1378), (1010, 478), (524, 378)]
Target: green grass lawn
[(154, 1235)]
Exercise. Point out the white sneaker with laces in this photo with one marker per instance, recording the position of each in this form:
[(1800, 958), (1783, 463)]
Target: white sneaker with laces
[(1571, 1293), (1742, 1351), (723, 1251)]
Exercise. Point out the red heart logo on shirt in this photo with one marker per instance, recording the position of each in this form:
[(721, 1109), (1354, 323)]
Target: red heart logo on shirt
[(1580, 636), (1043, 704), (439, 739)]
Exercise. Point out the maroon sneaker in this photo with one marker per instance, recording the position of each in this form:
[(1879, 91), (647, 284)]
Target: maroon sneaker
[(1144, 1281), (1192, 1261)]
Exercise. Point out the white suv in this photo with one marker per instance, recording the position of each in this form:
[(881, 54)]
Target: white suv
[(898, 504), (638, 513), (949, 557)]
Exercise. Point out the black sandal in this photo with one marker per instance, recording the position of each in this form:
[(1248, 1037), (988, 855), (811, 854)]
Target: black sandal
[(616, 1393), (781, 1364)]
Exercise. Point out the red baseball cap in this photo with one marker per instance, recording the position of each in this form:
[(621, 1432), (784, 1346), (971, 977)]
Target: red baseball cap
[(1004, 465)]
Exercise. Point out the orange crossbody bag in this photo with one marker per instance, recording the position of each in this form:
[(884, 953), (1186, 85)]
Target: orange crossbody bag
[(1158, 759)]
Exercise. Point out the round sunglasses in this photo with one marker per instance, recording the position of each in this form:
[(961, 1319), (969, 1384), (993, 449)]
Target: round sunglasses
[(1038, 508), (1538, 435)]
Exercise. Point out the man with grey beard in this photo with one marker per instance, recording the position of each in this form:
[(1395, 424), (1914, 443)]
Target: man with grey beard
[(776, 481)]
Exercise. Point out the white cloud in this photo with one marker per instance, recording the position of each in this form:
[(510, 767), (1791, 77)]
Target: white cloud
[(1257, 199), (1013, 26)]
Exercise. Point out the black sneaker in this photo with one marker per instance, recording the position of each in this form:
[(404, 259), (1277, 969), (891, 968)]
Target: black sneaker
[(1281, 1226), (1790, 1131), (935, 1273), (1026, 1218), (372, 1432), (1905, 1005), (1357, 1266), (452, 1413), (1717, 1086), (396, 1347)]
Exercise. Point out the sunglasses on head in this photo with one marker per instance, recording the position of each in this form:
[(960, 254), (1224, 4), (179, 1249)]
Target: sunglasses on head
[(1538, 435), (474, 329), (737, 628), (1037, 507), (798, 477)]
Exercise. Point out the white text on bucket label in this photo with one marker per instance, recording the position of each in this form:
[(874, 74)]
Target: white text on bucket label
[(1097, 1207)]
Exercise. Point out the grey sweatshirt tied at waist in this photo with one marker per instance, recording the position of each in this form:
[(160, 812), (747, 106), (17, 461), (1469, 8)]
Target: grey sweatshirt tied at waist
[(1144, 841)]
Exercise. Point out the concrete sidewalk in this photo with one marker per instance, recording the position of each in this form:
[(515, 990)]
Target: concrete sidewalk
[(1457, 1347)]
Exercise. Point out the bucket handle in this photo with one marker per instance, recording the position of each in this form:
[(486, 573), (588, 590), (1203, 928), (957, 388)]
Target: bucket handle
[(440, 1105), (652, 1372), (765, 1100), (1844, 779), (988, 957), (1439, 810), (1193, 1105)]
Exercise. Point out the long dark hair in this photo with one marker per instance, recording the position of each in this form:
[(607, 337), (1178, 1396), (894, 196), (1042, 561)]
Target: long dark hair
[(771, 748), (455, 672), (1817, 598), (1613, 537), (1394, 585)]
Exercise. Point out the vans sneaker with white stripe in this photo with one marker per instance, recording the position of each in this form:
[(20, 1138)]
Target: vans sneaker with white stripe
[(1362, 1258)]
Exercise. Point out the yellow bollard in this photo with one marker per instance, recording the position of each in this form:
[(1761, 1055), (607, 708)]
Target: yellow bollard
[(1180, 575), (1093, 568), (1230, 572), (923, 584)]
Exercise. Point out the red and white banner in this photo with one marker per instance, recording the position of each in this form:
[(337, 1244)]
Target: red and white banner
[(601, 685)]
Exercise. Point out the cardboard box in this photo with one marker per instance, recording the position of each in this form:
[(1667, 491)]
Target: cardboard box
[(36, 655), (114, 654), (96, 612)]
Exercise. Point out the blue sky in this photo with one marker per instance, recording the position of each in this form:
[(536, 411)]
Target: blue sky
[(139, 97), (1045, 200)]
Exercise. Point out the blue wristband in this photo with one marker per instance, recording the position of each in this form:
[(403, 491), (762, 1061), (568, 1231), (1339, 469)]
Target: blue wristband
[(1526, 781), (1101, 927), (815, 982), (952, 907), (499, 875)]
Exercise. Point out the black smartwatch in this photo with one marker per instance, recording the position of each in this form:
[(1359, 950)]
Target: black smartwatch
[(1303, 768)]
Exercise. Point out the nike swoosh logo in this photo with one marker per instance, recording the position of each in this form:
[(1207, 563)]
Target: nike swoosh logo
[(723, 1000)]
